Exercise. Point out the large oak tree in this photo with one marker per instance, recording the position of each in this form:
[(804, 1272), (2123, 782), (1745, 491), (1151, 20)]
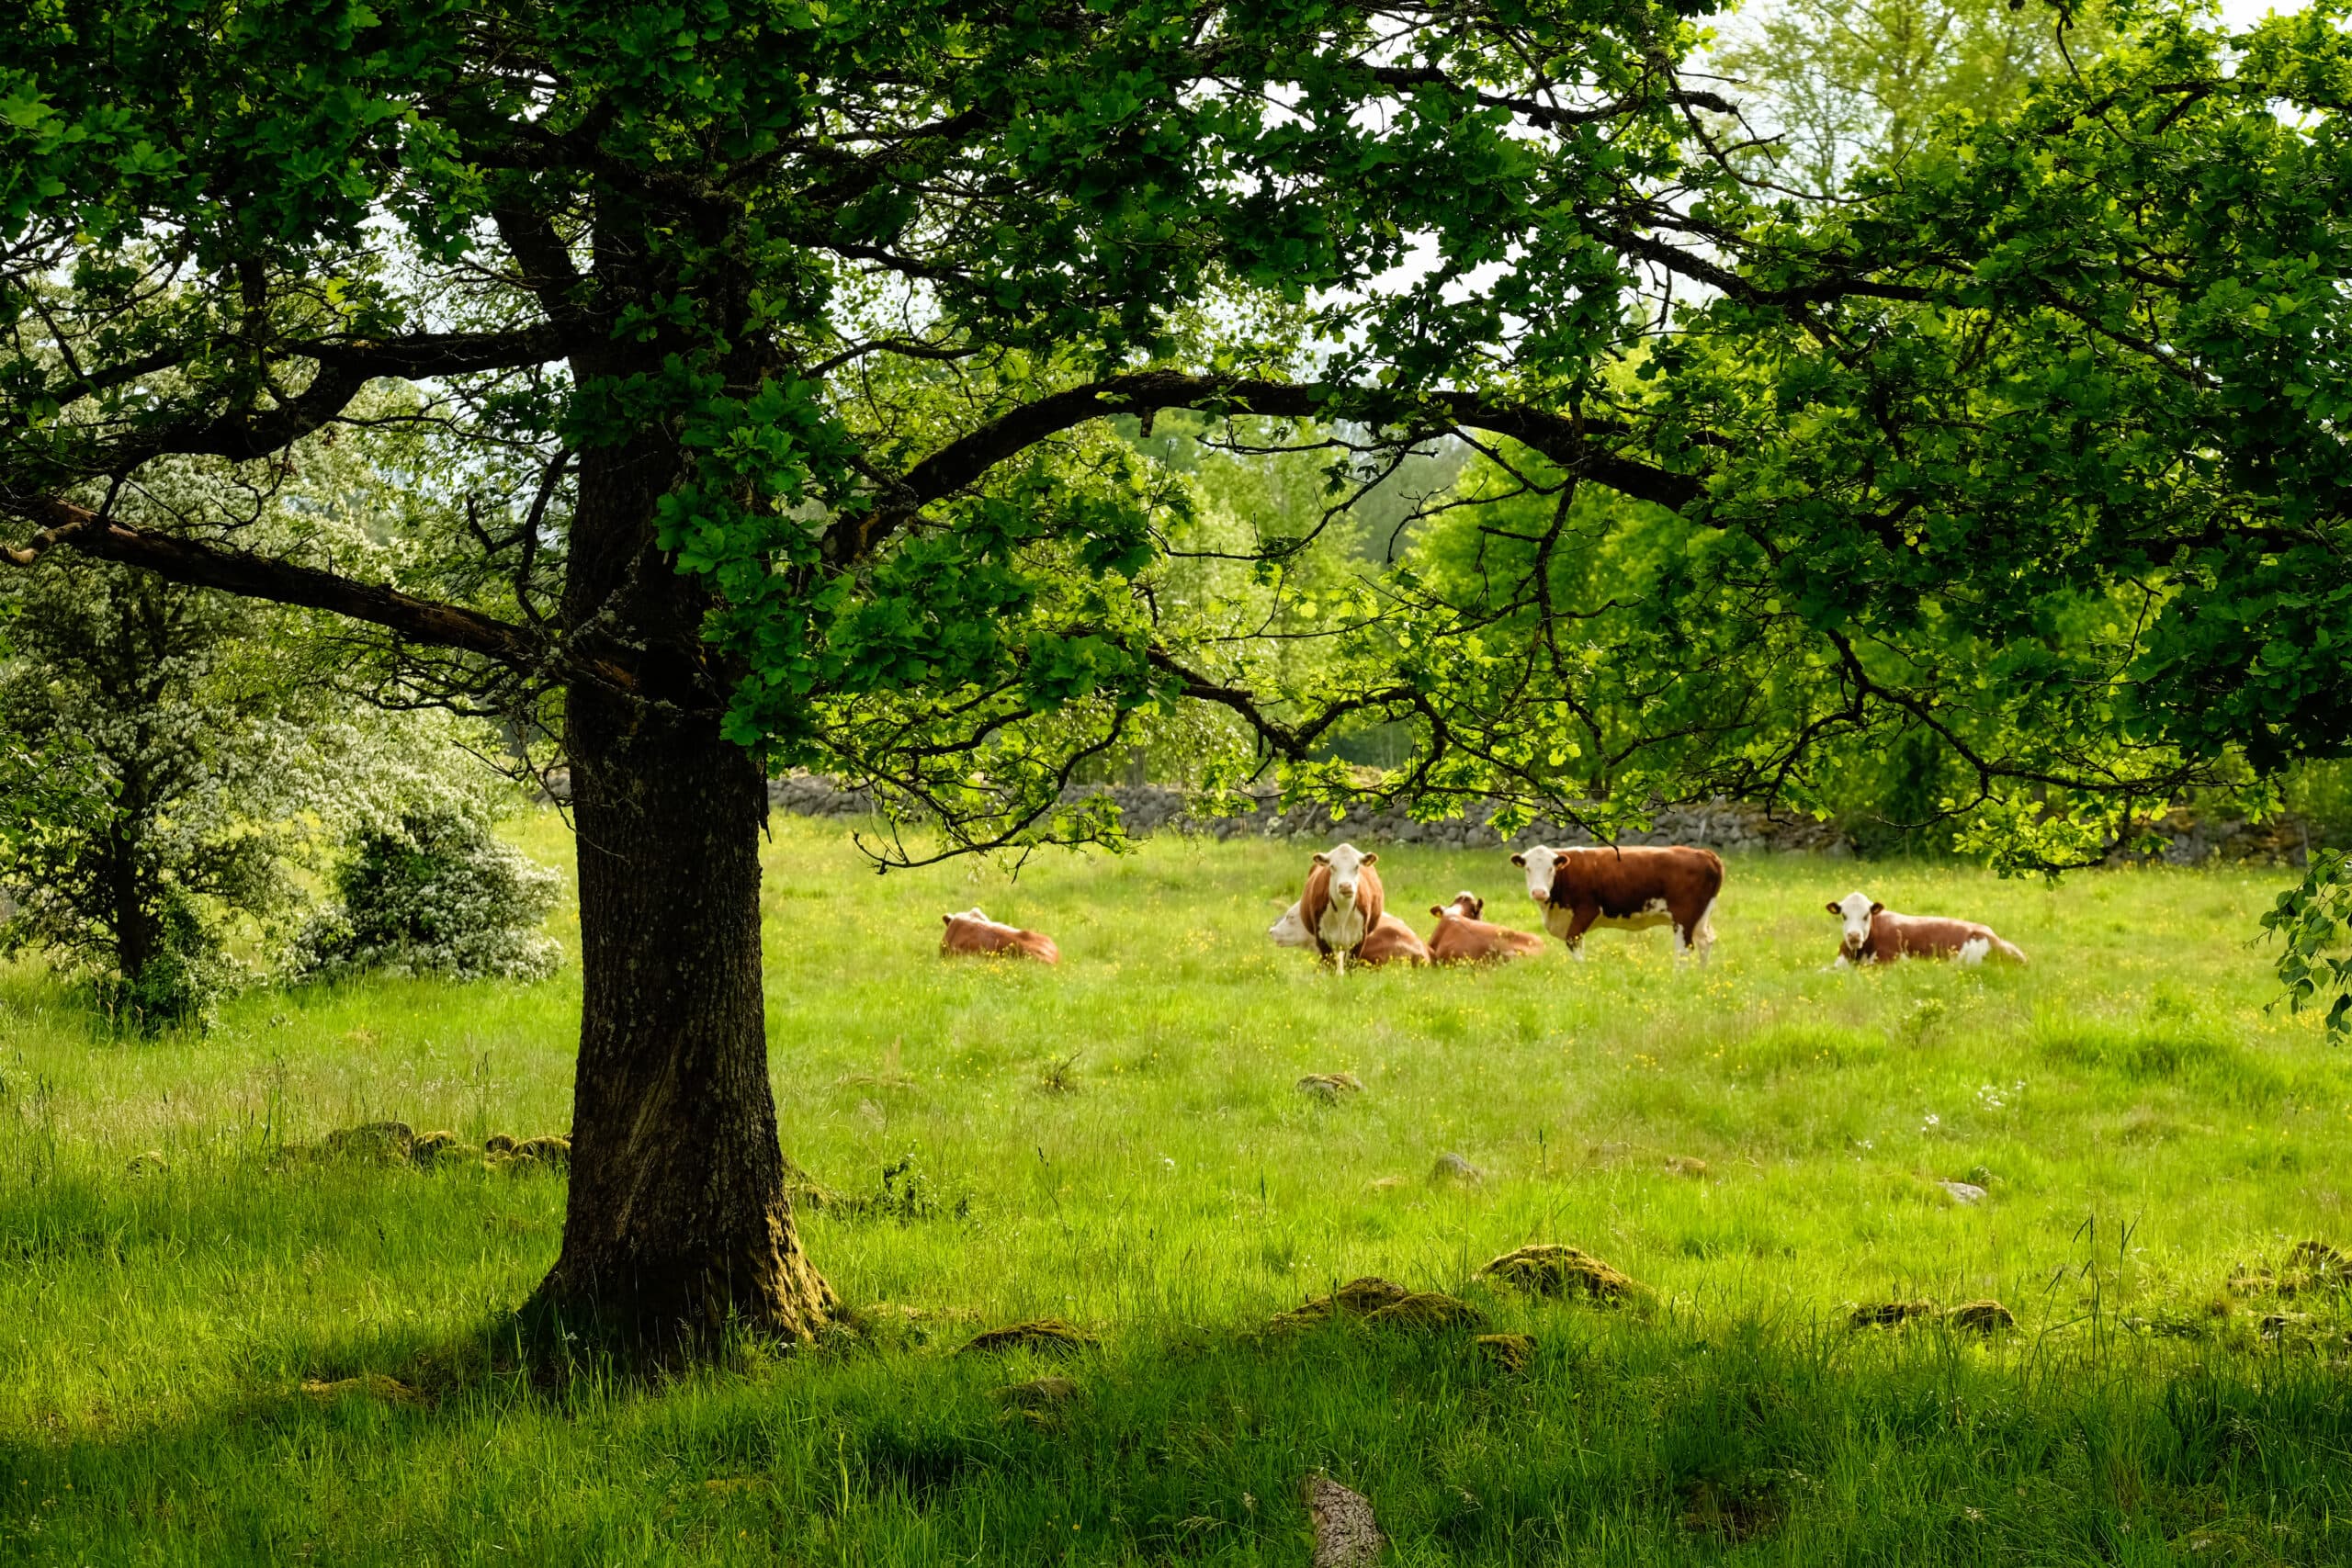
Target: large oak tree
[(768, 352)]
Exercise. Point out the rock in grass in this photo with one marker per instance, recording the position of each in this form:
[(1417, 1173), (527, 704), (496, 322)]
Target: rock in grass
[(1330, 1087), (1683, 1165), (1050, 1335), (1509, 1352), (432, 1150), (1963, 1192), (1982, 1317), (2313, 1266), (1037, 1394), (1425, 1312), (373, 1143), (1453, 1167), (152, 1160), (1357, 1298), (2309, 1267), (371, 1386), (500, 1152), (1345, 1535), (1891, 1315), (553, 1151), (2283, 1325), (1549, 1270)]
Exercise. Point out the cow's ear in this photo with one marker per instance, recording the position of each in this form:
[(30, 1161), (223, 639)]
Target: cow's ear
[(946, 920), (1519, 859), (1835, 907), (1367, 859), (1877, 907), (1322, 859), (1438, 909)]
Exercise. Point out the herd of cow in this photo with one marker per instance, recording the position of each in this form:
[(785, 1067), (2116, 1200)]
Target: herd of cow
[(1343, 914)]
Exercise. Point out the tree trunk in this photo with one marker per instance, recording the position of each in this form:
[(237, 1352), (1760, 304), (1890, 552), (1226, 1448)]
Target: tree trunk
[(679, 1222)]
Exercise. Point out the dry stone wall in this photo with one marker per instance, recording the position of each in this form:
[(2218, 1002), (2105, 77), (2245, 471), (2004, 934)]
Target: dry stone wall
[(1725, 825)]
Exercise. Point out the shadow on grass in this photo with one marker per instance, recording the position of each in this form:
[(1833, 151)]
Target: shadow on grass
[(1618, 1441)]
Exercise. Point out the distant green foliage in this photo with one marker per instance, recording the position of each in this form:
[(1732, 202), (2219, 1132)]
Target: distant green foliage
[(1842, 82), (433, 893)]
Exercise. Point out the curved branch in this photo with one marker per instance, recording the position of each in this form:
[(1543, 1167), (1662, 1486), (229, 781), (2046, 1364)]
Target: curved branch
[(963, 462), (262, 577)]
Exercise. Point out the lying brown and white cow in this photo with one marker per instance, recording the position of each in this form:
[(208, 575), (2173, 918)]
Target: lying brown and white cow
[(1876, 934), (1392, 941), (973, 932), (1342, 904), (1630, 888), (1462, 937)]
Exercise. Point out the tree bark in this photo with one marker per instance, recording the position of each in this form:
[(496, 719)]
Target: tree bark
[(679, 1222)]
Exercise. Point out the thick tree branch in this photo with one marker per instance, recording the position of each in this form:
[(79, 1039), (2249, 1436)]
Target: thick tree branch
[(261, 577)]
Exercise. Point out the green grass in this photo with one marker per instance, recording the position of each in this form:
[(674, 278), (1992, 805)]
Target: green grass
[(2144, 1126)]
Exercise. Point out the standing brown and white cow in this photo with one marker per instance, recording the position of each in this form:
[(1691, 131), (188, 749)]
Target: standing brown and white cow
[(1876, 934), (1343, 903), (973, 932), (1462, 937), (1630, 888)]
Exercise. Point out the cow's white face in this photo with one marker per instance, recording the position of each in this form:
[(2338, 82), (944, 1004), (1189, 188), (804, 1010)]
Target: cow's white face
[(1347, 863), (1291, 929), (1855, 910), (1541, 865), (971, 913), (1467, 905)]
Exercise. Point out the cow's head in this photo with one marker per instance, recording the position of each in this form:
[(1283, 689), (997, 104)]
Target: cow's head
[(1542, 865), (971, 913), (1855, 910), (1291, 929), (1347, 863), (1465, 906)]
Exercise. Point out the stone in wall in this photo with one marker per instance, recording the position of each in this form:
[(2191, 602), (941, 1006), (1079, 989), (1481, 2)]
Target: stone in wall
[(2194, 839)]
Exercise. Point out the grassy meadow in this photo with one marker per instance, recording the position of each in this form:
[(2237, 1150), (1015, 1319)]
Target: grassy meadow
[(1121, 1144)]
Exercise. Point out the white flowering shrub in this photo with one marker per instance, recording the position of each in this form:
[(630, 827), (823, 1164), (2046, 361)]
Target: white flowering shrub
[(434, 892)]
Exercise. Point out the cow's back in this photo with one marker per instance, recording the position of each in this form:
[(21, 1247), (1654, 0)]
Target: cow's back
[(1393, 942), (1460, 940), (1624, 882), (1894, 936)]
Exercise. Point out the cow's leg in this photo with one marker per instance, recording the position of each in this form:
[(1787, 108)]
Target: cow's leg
[(1339, 961), (1579, 923)]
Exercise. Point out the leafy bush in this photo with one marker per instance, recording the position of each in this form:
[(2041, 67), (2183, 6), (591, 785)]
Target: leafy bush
[(433, 892)]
